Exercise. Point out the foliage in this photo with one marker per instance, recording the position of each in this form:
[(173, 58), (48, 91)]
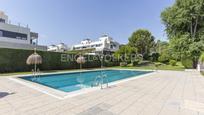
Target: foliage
[(185, 16), (142, 40), (184, 23), (14, 60), (138, 59), (164, 57), (110, 63), (201, 59), (154, 57), (161, 46), (179, 45), (126, 53), (160, 66), (187, 63), (135, 63), (172, 62)]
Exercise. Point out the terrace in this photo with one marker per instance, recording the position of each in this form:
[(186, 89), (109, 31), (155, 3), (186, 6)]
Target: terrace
[(162, 93)]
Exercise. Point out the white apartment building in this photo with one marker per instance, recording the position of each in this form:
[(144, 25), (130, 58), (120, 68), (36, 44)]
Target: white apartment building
[(105, 44), (58, 48), (16, 36)]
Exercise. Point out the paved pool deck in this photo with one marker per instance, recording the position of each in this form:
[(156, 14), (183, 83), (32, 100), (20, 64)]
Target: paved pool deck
[(162, 93)]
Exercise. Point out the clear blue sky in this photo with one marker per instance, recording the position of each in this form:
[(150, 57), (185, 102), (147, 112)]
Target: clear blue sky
[(70, 21)]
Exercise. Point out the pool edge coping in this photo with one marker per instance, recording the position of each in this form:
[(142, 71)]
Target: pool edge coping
[(64, 95)]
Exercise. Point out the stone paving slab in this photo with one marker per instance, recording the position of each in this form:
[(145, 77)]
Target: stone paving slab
[(162, 93)]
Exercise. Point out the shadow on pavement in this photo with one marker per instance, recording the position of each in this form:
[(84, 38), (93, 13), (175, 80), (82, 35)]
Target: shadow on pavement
[(4, 94)]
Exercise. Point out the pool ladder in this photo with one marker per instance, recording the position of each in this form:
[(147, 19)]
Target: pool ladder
[(99, 80), (36, 75)]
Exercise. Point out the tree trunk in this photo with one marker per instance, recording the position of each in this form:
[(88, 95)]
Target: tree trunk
[(195, 28), (195, 62), (191, 28)]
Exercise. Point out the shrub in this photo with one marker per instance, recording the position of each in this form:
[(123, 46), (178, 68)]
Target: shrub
[(172, 62), (146, 56), (110, 63), (136, 62), (187, 63), (164, 58), (154, 57)]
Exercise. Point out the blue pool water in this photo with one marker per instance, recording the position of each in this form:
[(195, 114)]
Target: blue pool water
[(68, 82)]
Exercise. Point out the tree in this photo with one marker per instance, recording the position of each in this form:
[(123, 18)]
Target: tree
[(161, 46), (164, 57), (185, 16), (201, 59), (142, 40), (184, 23), (126, 53), (179, 46)]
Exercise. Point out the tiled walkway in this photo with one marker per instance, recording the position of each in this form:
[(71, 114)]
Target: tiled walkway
[(163, 93)]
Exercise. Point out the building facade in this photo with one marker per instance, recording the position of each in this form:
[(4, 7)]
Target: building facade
[(58, 48), (16, 36), (104, 44)]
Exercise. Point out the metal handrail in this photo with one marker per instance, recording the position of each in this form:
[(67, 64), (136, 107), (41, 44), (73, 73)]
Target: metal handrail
[(99, 80), (36, 74)]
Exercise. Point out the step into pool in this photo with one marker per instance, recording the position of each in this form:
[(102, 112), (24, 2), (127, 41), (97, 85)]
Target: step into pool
[(68, 82)]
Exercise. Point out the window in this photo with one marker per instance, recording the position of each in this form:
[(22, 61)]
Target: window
[(14, 35), (111, 46), (98, 45), (2, 20), (1, 34)]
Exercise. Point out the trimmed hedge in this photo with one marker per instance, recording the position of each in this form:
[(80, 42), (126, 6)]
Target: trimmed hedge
[(14, 60)]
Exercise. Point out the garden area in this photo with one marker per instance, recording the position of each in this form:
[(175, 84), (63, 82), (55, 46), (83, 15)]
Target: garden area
[(184, 47), (154, 66)]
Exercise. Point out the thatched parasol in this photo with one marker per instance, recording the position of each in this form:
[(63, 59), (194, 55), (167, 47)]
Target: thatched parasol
[(34, 59), (80, 60)]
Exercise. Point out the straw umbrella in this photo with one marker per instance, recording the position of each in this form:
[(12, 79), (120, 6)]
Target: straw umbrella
[(34, 59), (81, 60)]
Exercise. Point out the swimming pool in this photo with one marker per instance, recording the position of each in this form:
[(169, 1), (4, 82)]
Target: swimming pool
[(68, 82)]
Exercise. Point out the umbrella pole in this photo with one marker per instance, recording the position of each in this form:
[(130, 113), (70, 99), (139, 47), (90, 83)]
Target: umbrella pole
[(35, 63), (35, 69), (80, 69), (81, 63)]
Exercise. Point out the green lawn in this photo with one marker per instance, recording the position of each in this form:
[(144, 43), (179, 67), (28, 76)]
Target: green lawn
[(23, 73), (178, 67)]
